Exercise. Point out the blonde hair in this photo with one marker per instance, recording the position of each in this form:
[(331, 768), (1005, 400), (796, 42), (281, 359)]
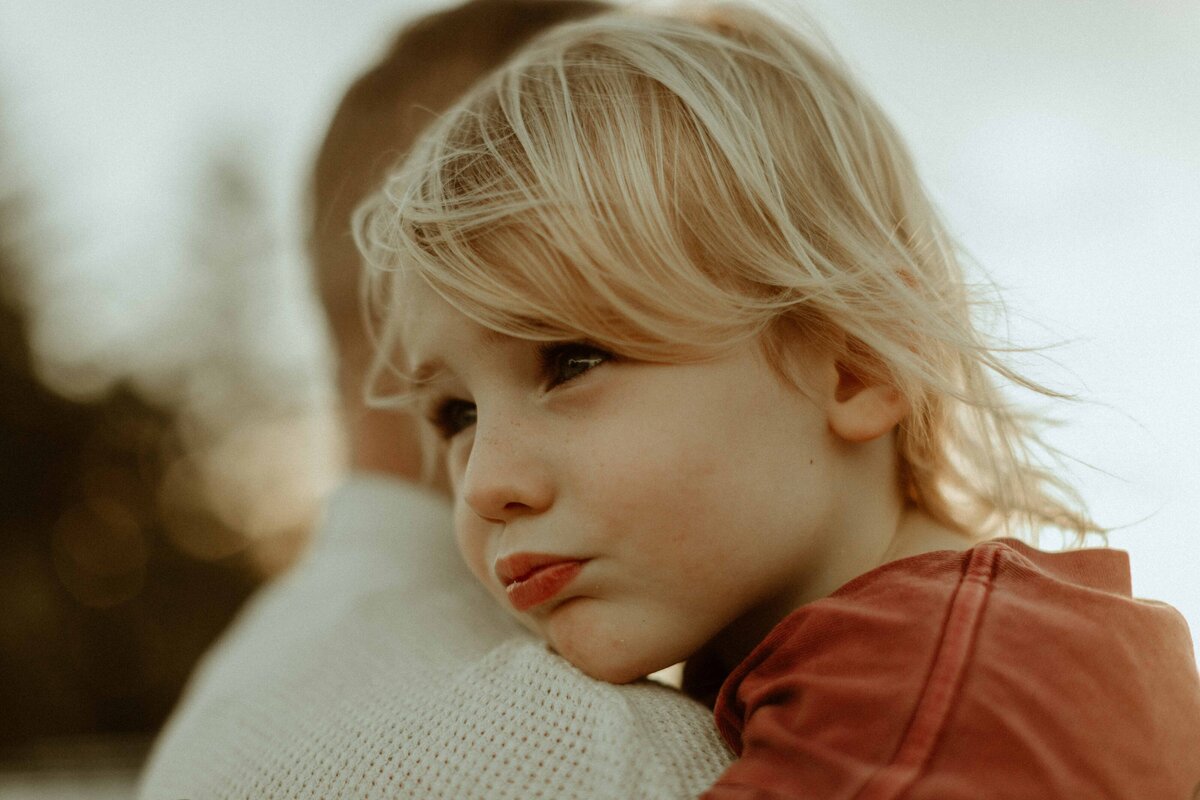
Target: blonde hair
[(432, 62), (670, 186)]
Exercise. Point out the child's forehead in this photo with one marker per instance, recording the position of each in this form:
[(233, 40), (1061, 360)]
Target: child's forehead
[(435, 334), (485, 296)]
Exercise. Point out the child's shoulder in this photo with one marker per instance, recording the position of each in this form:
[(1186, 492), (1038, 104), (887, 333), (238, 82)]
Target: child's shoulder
[(1002, 562), (968, 659), (1001, 593)]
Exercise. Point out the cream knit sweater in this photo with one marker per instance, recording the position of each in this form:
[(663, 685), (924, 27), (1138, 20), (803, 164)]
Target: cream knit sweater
[(379, 669)]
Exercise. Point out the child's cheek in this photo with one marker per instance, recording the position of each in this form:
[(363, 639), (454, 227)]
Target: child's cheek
[(472, 545)]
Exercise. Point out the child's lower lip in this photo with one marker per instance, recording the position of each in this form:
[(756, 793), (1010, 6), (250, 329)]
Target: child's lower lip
[(542, 584)]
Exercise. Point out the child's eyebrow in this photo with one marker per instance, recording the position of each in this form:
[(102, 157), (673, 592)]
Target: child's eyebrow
[(426, 378), (431, 370), (425, 373)]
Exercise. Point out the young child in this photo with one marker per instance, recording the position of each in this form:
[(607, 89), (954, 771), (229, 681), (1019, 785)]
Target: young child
[(374, 669), (709, 388)]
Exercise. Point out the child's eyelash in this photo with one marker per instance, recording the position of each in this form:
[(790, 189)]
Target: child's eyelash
[(562, 362), (558, 363), (451, 415)]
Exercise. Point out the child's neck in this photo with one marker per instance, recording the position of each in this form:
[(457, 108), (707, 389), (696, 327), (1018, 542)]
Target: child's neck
[(912, 532), (920, 533)]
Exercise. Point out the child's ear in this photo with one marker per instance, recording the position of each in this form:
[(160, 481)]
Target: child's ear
[(860, 409)]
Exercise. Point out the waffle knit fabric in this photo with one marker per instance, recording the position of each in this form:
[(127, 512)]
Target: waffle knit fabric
[(379, 669)]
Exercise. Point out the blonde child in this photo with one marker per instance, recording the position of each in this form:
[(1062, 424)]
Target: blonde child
[(708, 385), (376, 669)]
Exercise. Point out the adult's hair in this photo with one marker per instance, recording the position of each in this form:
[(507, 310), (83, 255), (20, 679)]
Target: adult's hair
[(431, 64), (669, 186)]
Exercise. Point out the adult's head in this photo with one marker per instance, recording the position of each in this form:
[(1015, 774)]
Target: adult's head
[(430, 65)]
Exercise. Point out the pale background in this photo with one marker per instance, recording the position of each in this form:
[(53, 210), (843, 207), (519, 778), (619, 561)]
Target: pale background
[(1061, 139)]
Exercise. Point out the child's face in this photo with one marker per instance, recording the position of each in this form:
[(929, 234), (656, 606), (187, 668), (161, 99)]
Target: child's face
[(628, 512)]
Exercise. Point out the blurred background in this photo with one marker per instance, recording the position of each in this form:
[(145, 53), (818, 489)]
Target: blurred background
[(165, 428)]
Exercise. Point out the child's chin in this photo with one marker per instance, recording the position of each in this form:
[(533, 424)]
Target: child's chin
[(614, 673), (609, 666), (594, 636)]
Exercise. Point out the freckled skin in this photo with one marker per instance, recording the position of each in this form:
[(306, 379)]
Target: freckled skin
[(708, 498)]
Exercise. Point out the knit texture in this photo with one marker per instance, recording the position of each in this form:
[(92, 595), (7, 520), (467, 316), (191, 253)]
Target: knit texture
[(379, 669)]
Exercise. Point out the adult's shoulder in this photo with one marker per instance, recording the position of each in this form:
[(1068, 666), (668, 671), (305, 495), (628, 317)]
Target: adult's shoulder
[(379, 668)]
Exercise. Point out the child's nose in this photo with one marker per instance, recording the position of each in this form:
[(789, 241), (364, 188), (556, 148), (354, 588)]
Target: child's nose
[(505, 478)]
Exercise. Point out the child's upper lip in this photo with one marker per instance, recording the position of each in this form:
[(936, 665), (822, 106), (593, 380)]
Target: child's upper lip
[(518, 566)]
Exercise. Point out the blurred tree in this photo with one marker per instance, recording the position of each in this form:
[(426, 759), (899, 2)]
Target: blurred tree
[(102, 617), (251, 422)]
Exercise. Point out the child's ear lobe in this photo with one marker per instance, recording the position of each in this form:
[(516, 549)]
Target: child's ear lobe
[(861, 411)]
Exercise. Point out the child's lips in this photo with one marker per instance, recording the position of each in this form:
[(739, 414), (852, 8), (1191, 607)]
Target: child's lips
[(531, 579)]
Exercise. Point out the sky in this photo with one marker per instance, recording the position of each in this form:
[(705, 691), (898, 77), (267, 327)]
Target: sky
[(1060, 139)]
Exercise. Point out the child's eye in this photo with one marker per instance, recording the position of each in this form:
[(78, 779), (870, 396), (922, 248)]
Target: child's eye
[(452, 416), (563, 362)]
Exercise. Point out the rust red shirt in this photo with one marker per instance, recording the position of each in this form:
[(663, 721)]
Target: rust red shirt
[(997, 672)]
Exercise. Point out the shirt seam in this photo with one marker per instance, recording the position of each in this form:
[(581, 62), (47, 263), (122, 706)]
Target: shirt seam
[(937, 701)]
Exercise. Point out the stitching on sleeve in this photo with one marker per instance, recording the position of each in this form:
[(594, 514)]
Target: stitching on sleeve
[(945, 678)]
